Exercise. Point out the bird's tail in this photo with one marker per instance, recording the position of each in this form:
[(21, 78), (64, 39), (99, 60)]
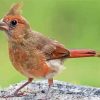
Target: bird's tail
[(83, 53), (97, 54)]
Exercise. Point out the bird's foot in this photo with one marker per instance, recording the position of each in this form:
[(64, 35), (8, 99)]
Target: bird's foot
[(48, 91), (18, 94), (15, 94)]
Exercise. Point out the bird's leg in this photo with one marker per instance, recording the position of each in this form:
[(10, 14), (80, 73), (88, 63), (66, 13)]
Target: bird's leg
[(50, 82), (19, 94)]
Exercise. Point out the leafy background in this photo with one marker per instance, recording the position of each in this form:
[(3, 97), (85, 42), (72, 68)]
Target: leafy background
[(75, 23)]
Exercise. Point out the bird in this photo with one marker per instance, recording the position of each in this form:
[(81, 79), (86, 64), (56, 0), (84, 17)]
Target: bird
[(33, 54)]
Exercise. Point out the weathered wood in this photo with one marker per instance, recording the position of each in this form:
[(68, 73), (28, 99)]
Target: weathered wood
[(39, 90)]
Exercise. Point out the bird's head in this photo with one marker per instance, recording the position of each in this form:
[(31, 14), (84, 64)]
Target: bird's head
[(14, 24)]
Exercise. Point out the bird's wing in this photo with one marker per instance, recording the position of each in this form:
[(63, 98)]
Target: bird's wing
[(59, 52), (55, 51), (50, 48)]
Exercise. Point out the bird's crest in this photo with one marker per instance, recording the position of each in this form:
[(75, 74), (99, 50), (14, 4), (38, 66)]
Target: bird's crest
[(15, 9)]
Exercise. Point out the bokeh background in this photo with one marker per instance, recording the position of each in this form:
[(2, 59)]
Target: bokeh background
[(75, 23)]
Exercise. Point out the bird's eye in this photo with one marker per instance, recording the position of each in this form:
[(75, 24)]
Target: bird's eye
[(13, 23)]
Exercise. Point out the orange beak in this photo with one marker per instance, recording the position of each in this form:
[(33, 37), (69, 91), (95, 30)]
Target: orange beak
[(82, 53), (3, 26)]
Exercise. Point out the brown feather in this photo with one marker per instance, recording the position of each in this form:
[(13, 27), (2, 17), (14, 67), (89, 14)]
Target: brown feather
[(59, 52), (15, 9)]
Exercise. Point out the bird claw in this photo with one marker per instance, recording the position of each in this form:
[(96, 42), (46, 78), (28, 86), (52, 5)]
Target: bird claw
[(19, 94)]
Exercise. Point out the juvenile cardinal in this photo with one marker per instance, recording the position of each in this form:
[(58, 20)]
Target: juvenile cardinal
[(33, 54)]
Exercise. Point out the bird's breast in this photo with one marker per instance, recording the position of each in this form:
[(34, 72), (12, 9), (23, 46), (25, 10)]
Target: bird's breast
[(30, 63)]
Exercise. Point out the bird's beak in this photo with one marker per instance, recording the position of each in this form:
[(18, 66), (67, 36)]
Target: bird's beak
[(82, 53), (3, 26)]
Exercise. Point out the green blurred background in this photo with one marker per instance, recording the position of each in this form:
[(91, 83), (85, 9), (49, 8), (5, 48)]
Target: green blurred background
[(75, 23)]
